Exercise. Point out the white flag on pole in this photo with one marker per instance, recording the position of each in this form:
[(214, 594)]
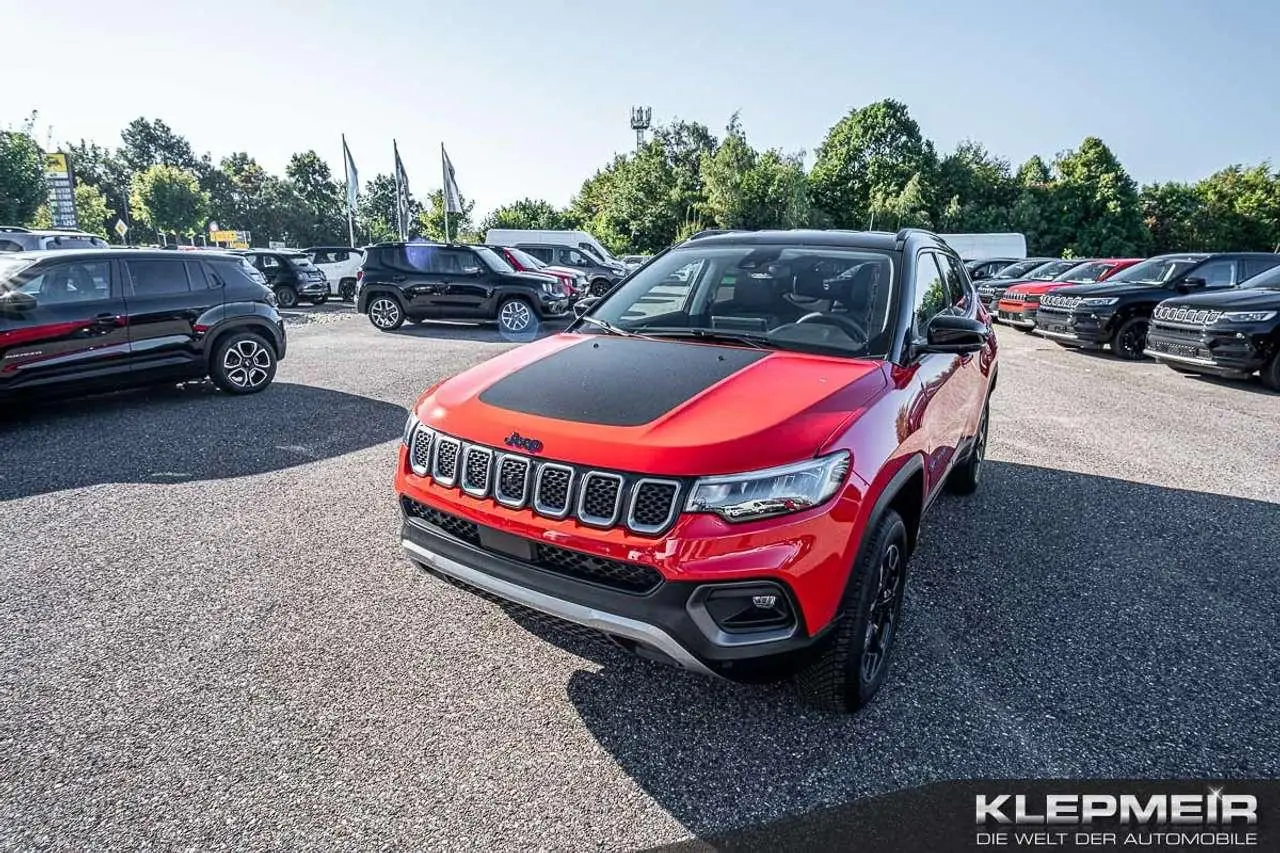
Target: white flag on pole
[(452, 198)]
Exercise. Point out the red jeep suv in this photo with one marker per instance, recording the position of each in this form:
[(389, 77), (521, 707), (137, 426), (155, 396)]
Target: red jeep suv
[(724, 462)]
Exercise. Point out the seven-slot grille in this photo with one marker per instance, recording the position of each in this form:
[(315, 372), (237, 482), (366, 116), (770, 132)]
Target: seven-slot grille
[(1057, 302), (603, 499), (1185, 316)]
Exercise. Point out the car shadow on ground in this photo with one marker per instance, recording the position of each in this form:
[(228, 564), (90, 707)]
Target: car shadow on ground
[(180, 433), (482, 332), (1057, 625), (1251, 385)]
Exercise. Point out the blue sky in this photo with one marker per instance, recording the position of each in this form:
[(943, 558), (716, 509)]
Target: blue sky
[(531, 97)]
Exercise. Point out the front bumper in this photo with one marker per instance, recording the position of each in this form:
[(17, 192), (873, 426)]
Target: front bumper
[(1226, 352), (313, 288), (553, 306), (1018, 314), (1075, 328)]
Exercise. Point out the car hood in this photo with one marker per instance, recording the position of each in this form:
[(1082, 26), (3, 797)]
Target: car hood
[(561, 271), (1036, 287), (1229, 300), (656, 407), (536, 278), (1116, 288)]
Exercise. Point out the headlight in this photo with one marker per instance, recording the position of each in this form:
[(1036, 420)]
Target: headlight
[(409, 426), (1247, 316), (774, 491), (549, 288), (1099, 301)]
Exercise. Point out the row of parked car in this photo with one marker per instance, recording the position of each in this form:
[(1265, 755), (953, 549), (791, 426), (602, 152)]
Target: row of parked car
[(1213, 313)]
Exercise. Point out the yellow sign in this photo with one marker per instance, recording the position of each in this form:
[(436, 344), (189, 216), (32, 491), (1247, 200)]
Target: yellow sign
[(225, 236), (56, 164), (238, 245)]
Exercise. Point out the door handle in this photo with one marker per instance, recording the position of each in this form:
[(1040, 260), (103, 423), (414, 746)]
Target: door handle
[(106, 321)]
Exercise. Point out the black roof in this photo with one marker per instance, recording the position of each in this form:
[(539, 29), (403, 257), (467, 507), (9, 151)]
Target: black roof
[(881, 240), (65, 254)]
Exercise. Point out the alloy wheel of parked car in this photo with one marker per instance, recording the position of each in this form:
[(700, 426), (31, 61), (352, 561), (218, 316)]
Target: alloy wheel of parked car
[(287, 297), (243, 363), (385, 313), (965, 477), (1270, 374), (882, 625), (599, 287), (515, 316), (1130, 339), (347, 289)]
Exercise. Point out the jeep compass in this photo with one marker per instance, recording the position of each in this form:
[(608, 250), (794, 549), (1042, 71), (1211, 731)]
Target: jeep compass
[(724, 462)]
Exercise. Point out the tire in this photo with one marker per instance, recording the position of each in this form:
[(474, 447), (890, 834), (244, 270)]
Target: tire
[(347, 289), (599, 287), (965, 477), (287, 297), (1270, 374), (1130, 339), (849, 671), (242, 363), (385, 312), (516, 316)]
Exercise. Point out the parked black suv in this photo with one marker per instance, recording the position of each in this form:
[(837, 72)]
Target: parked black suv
[(601, 275), (291, 275), (1117, 312), (14, 238), (85, 320), (433, 281), (1231, 333), (1032, 269), (980, 268)]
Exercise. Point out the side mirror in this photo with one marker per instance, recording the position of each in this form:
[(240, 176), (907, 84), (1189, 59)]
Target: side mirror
[(16, 302), (471, 270), (950, 333), (980, 275), (1192, 283), (584, 305)]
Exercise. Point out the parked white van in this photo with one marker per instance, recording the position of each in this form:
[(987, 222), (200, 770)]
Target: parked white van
[(571, 239), (972, 247)]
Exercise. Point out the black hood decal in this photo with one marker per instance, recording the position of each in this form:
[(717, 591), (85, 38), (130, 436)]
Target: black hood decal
[(614, 381)]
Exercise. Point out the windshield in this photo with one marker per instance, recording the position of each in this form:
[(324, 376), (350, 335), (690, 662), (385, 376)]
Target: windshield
[(1051, 270), (1019, 269), (301, 261), (495, 261), (806, 298), (10, 269), (1085, 273), (1269, 280), (526, 260), (596, 254), (1155, 270)]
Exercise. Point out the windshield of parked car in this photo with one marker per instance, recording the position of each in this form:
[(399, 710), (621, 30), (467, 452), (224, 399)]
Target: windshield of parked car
[(1085, 273), (1155, 271), (597, 255), (807, 298), (525, 259), (1269, 280), (1051, 270), (10, 269), (301, 261), (496, 262), (1018, 270)]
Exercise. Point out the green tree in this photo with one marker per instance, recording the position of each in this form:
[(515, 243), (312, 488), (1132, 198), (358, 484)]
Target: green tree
[(169, 200), (907, 208), (1172, 213), (1240, 209), (376, 211), (976, 191), (430, 222), (871, 153), (22, 186), (149, 143), (99, 167), (93, 213), (320, 218), (528, 213), (1101, 215), (747, 189)]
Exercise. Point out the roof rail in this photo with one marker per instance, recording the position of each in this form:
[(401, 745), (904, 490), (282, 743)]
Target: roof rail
[(14, 229), (711, 232), (905, 232)]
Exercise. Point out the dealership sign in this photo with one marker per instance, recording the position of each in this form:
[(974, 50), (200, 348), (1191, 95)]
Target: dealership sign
[(62, 199)]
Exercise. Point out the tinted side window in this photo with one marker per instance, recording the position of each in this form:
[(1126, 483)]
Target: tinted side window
[(929, 292), (195, 273), (157, 277), (957, 286), (542, 254), (1217, 273), (1257, 266), (83, 281), (233, 273)]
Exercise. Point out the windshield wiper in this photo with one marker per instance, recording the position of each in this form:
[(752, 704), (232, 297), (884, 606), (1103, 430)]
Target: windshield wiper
[(608, 327), (756, 341)]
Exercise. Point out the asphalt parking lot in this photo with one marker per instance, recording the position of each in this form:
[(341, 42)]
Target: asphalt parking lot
[(212, 640)]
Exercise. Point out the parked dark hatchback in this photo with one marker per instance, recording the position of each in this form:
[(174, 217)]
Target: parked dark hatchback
[(1228, 333), (426, 281), (291, 275), (86, 320), (1117, 312)]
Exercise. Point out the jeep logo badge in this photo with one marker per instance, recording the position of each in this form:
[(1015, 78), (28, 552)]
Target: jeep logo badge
[(531, 445)]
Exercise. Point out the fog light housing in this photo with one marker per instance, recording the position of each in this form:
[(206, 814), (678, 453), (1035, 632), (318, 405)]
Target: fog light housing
[(743, 612)]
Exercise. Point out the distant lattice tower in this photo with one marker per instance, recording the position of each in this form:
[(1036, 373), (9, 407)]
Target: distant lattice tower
[(641, 119)]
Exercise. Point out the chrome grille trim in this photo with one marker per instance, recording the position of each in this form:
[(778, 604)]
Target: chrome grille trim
[(470, 451), (420, 434), (441, 442), (671, 511), (599, 520), (540, 507), (513, 501)]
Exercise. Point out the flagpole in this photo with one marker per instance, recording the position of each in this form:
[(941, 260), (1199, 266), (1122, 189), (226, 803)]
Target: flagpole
[(395, 149), (444, 191), (346, 172)]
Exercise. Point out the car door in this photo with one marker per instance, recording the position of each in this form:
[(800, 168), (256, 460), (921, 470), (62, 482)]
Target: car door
[(75, 332), (939, 407), (465, 282), (168, 299)]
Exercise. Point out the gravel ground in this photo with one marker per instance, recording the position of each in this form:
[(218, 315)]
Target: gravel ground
[(211, 640)]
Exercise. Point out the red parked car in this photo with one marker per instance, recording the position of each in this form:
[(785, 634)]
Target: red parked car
[(723, 463), (1018, 305), (572, 279)]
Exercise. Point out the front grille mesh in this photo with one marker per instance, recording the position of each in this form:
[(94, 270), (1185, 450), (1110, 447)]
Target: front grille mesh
[(615, 574), (1183, 315), (605, 499)]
